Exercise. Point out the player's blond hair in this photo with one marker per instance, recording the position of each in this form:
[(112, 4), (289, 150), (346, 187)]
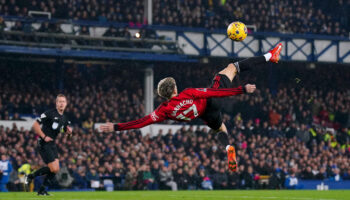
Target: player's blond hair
[(166, 87)]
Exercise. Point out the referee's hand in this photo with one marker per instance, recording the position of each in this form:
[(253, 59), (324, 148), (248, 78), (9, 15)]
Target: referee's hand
[(107, 127), (69, 130)]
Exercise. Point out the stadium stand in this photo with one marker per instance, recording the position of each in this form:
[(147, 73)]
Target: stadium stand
[(314, 16), (95, 102), (307, 16), (192, 156), (301, 129)]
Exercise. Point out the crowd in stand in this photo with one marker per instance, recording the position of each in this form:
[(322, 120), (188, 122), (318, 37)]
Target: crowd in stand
[(287, 16), (187, 159), (292, 127), (102, 94)]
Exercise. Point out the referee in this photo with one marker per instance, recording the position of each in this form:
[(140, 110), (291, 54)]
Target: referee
[(53, 122)]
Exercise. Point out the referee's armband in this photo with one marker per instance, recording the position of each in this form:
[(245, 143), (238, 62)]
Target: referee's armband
[(42, 118)]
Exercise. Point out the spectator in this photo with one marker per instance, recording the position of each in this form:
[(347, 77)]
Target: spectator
[(336, 175), (79, 179), (17, 117), (307, 174), (5, 171), (130, 179), (93, 177), (277, 178), (181, 179), (221, 180), (167, 179), (321, 175), (2, 27), (303, 134), (292, 182), (247, 178), (17, 27), (346, 175), (193, 179), (206, 182), (89, 124), (148, 178), (274, 117), (14, 182)]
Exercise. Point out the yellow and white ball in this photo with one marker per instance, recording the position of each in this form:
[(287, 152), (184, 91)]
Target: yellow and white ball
[(237, 31)]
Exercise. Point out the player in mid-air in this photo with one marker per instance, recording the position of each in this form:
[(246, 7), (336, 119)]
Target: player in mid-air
[(201, 102), (53, 122)]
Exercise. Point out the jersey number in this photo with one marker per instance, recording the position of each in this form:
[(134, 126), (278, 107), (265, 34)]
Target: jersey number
[(182, 116)]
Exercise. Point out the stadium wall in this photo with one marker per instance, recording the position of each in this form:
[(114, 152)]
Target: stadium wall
[(324, 185)]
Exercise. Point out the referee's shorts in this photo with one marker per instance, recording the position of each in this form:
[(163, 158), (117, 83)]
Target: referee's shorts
[(48, 151)]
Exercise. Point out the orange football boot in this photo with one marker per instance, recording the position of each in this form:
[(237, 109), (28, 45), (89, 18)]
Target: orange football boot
[(275, 53), (231, 157)]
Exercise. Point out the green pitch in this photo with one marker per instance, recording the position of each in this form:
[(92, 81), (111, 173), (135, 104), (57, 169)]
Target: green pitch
[(187, 195)]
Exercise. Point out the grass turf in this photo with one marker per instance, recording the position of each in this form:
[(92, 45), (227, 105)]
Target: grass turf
[(186, 195)]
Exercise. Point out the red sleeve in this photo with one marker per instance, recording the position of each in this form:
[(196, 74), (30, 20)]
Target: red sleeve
[(211, 92), (155, 116)]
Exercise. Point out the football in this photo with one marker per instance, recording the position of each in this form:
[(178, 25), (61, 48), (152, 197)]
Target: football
[(237, 31)]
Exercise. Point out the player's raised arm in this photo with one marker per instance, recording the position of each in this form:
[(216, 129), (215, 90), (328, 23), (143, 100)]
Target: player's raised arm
[(147, 120), (222, 92)]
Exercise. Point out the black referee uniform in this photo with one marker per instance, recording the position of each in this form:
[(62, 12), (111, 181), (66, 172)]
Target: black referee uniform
[(52, 124)]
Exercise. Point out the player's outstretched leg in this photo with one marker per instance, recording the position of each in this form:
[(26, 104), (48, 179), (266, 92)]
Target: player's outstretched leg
[(272, 56), (230, 71), (223, 138)]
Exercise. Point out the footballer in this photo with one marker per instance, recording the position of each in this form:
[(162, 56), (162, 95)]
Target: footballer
[(200, 102)]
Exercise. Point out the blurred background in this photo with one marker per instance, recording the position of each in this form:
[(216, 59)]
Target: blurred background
[(107, 56)]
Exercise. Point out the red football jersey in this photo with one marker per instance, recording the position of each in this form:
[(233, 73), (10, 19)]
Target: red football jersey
[(186, 106)]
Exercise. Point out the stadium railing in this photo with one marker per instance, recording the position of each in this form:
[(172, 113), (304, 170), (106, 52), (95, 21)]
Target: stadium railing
[(200, 42), (62, 40)]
